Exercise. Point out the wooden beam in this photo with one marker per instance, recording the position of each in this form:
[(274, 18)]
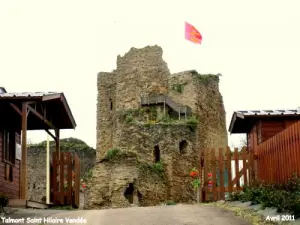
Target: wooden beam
[(52, 135), (16, 108), (23, 168), (47, 122), (51, 97)]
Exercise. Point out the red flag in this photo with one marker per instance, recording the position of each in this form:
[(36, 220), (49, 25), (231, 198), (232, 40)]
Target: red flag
[(192, 34)]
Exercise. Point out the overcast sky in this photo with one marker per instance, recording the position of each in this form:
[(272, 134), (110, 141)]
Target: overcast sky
[(62, 45)]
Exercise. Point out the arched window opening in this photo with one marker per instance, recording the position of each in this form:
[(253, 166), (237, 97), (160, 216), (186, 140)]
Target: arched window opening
[(156, 154), (183, 147)]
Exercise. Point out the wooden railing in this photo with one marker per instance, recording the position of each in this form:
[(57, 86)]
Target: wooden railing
[(279, 156), (161, 99)]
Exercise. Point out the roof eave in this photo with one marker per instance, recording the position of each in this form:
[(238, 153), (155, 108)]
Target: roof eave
[(233, 119), (68, 110)]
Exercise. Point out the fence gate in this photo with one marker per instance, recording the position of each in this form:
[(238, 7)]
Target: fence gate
[(217, 169), (65, 179)]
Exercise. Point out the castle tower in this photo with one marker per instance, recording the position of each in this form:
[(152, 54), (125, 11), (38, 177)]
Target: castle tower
[(140, 72)]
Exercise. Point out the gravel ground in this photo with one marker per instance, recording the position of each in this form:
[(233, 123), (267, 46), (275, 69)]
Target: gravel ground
[(158, 215)]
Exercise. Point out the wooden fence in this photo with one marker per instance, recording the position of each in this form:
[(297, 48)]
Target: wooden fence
[(65, 179), (279, 156), (216, 172)]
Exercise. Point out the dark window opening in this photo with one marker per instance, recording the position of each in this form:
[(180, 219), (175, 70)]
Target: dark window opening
[(183, 147), (129, 193), (111, 104), (9, 147), (156, 154)]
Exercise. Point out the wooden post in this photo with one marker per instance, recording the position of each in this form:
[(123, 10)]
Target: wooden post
[(229, 170), (221, 171), (57, 142), (214, 173), (206, 162), (23, 175), (236, 159)]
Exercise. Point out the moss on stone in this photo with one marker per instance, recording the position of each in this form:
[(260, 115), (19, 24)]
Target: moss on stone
[(66, 144), (117, 154), (205, 79), (148, 169)]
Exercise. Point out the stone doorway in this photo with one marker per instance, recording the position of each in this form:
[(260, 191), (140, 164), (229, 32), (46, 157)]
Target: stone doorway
[(129, 192)]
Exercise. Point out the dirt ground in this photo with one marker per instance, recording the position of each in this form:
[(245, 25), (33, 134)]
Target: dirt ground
[(158, 215)]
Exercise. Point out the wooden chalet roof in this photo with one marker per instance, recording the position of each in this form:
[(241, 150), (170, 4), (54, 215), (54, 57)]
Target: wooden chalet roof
[(242, 121), (53, 105)]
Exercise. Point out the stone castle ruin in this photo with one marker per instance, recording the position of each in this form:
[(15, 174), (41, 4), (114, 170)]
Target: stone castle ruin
[(151, 127)]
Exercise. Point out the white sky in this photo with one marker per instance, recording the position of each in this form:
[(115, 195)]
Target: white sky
[(62, 45)]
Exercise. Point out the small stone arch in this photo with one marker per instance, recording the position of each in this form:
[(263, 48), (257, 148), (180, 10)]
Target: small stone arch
[(156, 154), (183, 147)]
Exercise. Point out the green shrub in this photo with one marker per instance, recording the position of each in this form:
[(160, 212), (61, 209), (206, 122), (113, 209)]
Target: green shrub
[(286, 198), (192, 123), (170, 202), (111, 153)]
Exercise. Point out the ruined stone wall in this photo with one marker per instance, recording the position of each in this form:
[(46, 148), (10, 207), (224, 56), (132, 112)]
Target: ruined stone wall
[(106, 107), (140, 72), (201, 93), (36, 158)]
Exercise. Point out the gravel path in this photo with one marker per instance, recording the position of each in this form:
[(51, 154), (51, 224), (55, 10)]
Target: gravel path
[(158, 215)]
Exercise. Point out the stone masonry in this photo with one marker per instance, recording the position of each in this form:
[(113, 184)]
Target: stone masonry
[(156, 136)]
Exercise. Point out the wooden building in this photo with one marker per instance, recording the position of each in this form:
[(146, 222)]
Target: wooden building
[(20, 112), (260, 125)]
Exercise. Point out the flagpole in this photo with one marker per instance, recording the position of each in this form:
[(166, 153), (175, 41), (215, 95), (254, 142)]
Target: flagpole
[(48, 172)]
